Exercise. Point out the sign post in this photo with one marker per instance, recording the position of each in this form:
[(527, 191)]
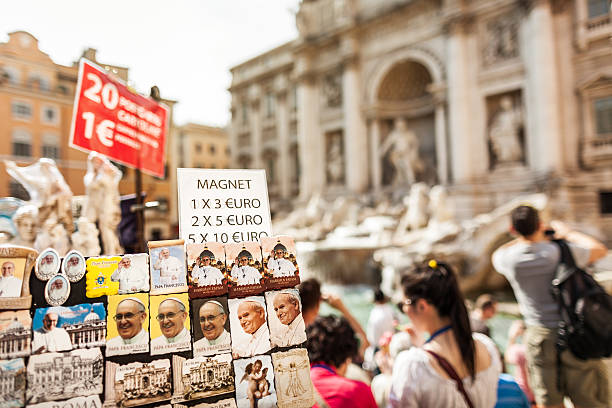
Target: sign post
[(223, 205)]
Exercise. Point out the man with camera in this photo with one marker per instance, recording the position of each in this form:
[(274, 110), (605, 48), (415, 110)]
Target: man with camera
[(529, 263)]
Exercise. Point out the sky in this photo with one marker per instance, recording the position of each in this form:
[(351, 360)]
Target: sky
[(185, 47)]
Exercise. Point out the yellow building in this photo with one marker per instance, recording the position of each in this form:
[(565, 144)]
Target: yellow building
[(203, 146), (36, 100)]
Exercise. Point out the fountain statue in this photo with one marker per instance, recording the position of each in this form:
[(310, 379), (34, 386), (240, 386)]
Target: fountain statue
[(102, 205), (85, 238)]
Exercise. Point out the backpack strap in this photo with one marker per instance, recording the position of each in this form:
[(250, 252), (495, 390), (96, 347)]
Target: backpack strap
[(448, 368), (566, 258)]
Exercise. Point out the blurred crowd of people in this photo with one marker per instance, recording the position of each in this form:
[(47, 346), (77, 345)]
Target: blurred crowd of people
[(444, 356)]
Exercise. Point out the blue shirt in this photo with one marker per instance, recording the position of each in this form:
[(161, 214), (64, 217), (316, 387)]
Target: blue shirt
[(509, 394)]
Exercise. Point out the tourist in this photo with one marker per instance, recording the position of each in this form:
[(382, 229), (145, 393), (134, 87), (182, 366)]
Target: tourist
[(310, 293), (529, 263), (435, 305), (212, 322), (252, 317), (331, 346), (50, 338), (382, 319), (171, 316), (10, 285), (485, 309), (287, 308), (129, 317), (516, 352)]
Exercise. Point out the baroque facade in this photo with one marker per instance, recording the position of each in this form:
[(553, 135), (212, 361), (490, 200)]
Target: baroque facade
[(491, 98), (15, 341)]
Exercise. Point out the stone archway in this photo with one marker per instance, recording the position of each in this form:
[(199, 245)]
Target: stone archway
[(406, 116)]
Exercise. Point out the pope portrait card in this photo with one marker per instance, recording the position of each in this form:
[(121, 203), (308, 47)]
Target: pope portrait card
[(245, 268), (206, 270), (132, 274), (248, 323), (285, 318), (170, 325), (168, 266), (63, 328), (211, 326), (127, 324), (280, 264)]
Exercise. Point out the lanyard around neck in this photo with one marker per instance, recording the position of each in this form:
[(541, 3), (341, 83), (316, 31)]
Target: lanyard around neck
[(438, 332)]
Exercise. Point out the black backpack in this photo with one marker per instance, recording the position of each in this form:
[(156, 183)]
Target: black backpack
[(585, 307)]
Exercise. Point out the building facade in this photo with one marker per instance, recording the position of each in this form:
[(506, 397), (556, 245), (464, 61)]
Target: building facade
[(491, 98), (36, 100), (15, 341), (202, 146)]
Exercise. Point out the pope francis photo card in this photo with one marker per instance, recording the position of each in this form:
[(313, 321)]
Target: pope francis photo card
[(132, 273), (11, 278), (64, 328), (285, 319), (170, 328), (250, 335), (127, 324), (292, 378), (168, 266), (137, 383), (12, 392), (255, 382), (211, 326), (58, 376), (73, 266), (202, 377), (280, 265), (246, 269), (98, 280), (206, 270), (15, 334)]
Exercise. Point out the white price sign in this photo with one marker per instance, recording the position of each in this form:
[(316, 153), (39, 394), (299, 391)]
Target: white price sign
[(223, 205)]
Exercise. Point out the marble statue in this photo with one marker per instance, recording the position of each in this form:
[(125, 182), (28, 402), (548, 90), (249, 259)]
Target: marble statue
[(25, 222), (43, 238), (85, 239), (402, 145), (439, 207), (102, 204), (504, 133), (335, 162), (47, 188)]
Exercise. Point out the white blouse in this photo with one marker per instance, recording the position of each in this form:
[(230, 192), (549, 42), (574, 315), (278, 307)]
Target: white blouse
[(416, 383)]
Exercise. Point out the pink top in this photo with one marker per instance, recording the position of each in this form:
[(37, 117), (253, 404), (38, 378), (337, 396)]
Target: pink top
[(515, 354), (338, 391)]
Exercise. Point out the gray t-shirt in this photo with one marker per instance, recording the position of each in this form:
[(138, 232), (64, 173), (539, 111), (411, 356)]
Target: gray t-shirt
[(530, 267)]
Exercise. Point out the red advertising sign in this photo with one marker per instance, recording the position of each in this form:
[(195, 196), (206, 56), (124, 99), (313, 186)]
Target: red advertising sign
[(110, 119)]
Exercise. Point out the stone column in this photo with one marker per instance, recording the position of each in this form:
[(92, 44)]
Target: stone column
[(355, 132), (310, 139), (375, 159), (461, 112), (282, 127), (542, 90), (441, 148), (255, 124)]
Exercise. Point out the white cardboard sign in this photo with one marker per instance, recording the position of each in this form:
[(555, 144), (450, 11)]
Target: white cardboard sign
[(223, 205)]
